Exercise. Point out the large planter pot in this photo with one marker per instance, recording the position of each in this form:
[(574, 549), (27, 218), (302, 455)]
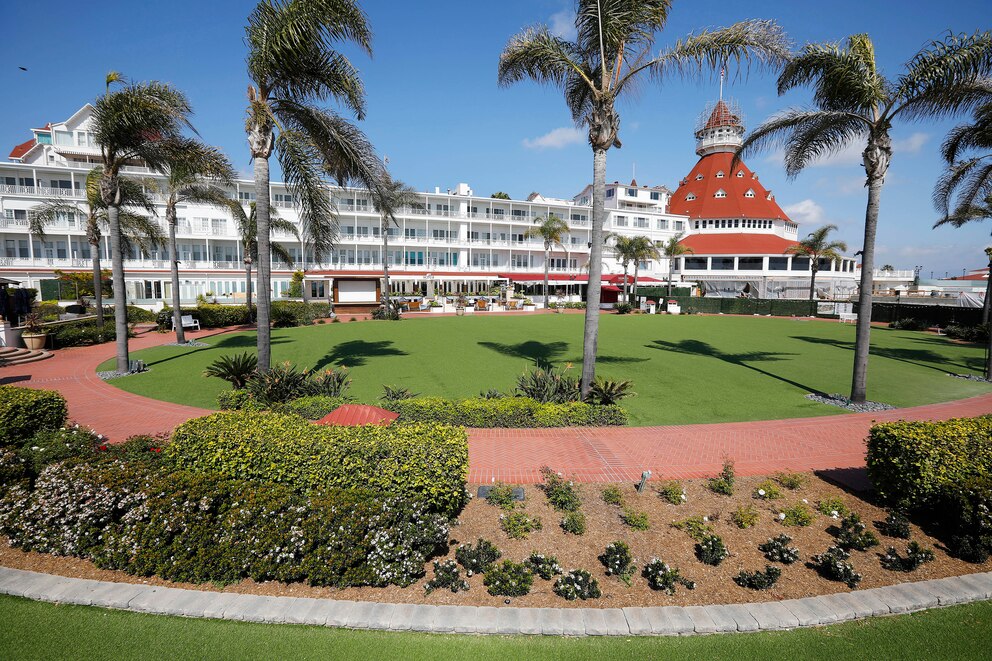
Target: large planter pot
[(437, 310), (34, 342), (530, 308), (468, 309)]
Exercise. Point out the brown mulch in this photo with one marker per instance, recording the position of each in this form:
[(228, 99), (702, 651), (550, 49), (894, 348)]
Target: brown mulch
[(714, 584)]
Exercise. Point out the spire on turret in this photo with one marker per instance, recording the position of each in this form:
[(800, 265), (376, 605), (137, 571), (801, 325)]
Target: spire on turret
[(720, 128)]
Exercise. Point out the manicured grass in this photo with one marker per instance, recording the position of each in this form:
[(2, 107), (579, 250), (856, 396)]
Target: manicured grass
[(38, 630), (685, 369)]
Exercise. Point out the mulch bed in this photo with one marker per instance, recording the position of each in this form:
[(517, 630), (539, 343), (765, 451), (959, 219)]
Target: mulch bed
[(714, 584)]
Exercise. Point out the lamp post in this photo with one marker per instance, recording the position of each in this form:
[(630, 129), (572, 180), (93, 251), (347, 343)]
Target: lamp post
[(916, 275)]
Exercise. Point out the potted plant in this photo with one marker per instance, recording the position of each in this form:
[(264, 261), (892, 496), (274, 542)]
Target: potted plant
[(437, 306), (529, 305), (462, 306), (34, 334)]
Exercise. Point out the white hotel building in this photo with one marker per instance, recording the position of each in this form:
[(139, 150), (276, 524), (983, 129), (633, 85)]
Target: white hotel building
[(456, 242)]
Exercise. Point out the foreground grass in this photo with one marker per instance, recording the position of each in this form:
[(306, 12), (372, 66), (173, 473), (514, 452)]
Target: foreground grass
[(38, 630), (685, 369)]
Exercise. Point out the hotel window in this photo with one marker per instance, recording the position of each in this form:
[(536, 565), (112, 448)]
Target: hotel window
[(800, 263), (655, 196), (620, 221), (499, 212), (520, 261), (740, 174), (720, 194), (749, 193), (695, 263), (580, 217), (661, 224), (699, 177), (631, 192), (722, 264), (737, 223), (697, 225), (246, 196), (778, 263), (363, 231), (690, 197), (283, 197), (610, 192), (719, 175), (749, 263), (518, 213), (439, 235), (680, 225), (641, 223)]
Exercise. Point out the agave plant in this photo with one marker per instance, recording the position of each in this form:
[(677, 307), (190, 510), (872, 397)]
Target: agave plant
[(609, 391), (331, 383), (280, 383), (548, 385), (236, 369), (396, 393)]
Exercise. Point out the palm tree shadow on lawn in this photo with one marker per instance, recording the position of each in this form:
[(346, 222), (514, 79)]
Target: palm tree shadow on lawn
[(699, 348), (918, 357), (546, 354), (356, 353), (234, 342)]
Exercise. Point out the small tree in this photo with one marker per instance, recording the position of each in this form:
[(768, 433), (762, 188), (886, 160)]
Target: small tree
[(672, 250), (644, 249), (500, 195), (389, 198), (551, 230), (816, 247)]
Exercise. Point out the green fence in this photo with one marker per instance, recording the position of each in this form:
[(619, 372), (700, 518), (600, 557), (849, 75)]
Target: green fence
[(762, 306), (931, 315)]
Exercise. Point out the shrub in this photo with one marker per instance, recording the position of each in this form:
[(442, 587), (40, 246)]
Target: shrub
[(12, 468), (853, 534), (574, 523), (799, 515), (48, 446), (710, 550), (767, 490), (492, 393), (791, 481), (916, 555), (286, 314), (672, 492), (279, 383), (236, 400), (429, 462), (745, 516), (517, 525), (608, 391), (477, 559), (895, 525), (447, 576), (24, 411), (562, 494), (758, 580), (546, 567), (833, 507), (724, 483), (382, 313), (661, 576), (909, 323), (912, 463), (548, 386), (697, 527), (81, 334), (612, 495), (142, 450), (965, 517), (635, 519), (311, 407), (396, 393), (210, 315), (577, 584), (235, 368), (501, 495), (777, 549), (329, 383), (618, 561), (495, 410), (623, 308), (832, 564), (509, 579), (977, 334)]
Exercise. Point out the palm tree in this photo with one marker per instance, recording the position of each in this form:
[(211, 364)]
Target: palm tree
[(855, 103), (624, 251), (672, 250), (644, 249), (293, 68), (135, 123), (552, 230), (137, 230), (247, 228), (194, 170), (816, 246), (390, 197), (613, 50)]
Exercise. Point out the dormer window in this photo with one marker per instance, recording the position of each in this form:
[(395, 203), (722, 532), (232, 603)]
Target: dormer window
[(740, 174), (720, 194), (690, 197), (719, 175), (749, 193), (699, 177)]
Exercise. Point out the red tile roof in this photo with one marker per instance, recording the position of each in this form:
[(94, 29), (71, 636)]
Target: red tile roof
[(22, 149), (735, 204), (617, 279), (737, 244), (721, 116), (353, 415)]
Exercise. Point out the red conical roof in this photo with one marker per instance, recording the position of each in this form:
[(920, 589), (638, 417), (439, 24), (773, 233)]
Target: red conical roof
[(702, 185), (721, 116)]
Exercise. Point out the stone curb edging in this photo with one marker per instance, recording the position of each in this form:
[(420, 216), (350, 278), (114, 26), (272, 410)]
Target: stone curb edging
[(660, 620)]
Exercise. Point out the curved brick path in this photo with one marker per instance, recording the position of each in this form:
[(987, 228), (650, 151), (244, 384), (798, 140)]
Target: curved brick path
[(516, 455)]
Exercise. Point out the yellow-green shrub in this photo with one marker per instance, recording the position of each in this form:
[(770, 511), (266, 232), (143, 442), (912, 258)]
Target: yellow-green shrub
[(506, 412), (24, 412), (424, 461)]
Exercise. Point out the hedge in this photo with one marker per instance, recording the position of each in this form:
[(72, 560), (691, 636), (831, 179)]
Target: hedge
[(765, 306), (428, 462), (286, 314), (311, 407), (912, 463), (209, 315), (192, 527), (24, 412), (81, 334), (506, 412)]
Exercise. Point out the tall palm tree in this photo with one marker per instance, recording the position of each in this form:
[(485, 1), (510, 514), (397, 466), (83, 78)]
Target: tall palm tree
[(817, 246), (294, 67), (855, 103), (390, 197), (614, 49), (246, 225), (644, 249), (551, 230), (137, 230), (135, 123), (624, 251), (672, 250), (194, 173)]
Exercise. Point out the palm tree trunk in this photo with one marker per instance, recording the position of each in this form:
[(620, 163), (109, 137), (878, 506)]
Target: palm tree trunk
[(626, 288), (97, 284), (988, 296), (671, 270), (177, 313), (120, 294), (547, 260), (264, 270), (385, 271), (633, 293), (862, 344), (812, 283), (590, 336)]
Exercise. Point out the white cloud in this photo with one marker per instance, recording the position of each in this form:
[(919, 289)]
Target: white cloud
[(910, 145), (805, 211), (556, 138), (563, 24)]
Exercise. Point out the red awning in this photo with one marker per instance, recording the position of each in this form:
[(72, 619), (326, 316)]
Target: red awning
[(610, 288)]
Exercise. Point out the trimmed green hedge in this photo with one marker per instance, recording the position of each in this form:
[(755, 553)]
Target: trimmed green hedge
[(24, 412), (506, 412), (81, 334), (209, 315), (428, 462), (912, 463), (311, 407), (286, 314)]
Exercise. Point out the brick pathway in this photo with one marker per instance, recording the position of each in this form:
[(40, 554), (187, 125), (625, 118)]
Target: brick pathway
[(516, 455)]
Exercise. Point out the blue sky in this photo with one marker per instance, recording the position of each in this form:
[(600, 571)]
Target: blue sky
[(435, 110)]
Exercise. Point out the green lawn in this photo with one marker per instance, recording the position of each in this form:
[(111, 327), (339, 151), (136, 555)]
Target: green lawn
[(38, 630), (685, 369)]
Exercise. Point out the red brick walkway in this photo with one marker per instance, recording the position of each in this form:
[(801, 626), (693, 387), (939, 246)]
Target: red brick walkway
[(516, 455)]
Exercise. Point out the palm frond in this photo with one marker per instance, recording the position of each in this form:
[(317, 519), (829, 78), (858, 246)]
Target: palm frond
[(946, 63), (139, 230), (963, 185), (965, 215), (538, 54), (279, 251), (620, 24), (975, 135), (301, 163), (390, 196), (947, 100), (843, 79), (48, 212)]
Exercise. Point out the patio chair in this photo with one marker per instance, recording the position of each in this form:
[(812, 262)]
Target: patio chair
[(481, 304), (425, 305)]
